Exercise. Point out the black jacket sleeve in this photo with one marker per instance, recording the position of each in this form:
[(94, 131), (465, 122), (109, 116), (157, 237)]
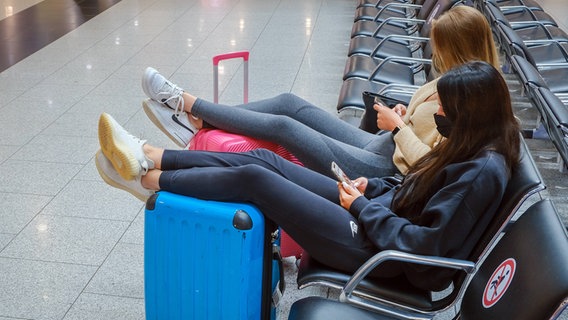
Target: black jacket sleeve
[(468, 196)]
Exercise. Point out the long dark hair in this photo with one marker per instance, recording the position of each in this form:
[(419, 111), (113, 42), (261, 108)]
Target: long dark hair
[(475, 98)]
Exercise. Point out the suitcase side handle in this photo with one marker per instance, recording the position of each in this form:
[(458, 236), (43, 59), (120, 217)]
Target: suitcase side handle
[(226, 56)]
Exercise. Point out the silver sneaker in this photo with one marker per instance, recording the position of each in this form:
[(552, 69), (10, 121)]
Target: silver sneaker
[(111, 176), (122, 149), (176, 126), (160, 89)]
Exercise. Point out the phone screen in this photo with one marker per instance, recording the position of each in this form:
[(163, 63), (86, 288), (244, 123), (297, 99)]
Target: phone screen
[(341, 176)]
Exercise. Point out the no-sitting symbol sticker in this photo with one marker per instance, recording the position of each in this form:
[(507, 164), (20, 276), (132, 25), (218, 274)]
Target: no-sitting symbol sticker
[(499, 282)]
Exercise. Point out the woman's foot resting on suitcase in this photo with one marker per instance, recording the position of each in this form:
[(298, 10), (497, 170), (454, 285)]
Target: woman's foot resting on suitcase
[(177, 127), (160, 89), (111, 176), (129, 163)]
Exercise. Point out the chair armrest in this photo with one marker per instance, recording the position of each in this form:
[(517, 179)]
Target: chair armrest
[(544, 66), (392, 37), (396, 88), (537, 42), (397, 59), (395, 5), (390, 20), (348, 296)]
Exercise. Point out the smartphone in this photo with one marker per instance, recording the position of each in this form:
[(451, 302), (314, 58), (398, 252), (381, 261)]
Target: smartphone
[(341, 176), (371, 98)]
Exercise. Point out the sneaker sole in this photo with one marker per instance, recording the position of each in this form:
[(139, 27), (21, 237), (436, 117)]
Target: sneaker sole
[(119, 155), (115, 184), (152, 116)]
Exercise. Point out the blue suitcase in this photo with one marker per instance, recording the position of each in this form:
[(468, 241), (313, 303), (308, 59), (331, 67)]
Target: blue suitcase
[(209, 260)]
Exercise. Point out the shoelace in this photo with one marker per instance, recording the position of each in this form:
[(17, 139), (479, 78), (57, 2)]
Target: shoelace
[(175, 93)]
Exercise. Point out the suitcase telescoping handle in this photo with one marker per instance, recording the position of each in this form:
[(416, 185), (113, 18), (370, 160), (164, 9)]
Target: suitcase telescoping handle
[(227, 56)]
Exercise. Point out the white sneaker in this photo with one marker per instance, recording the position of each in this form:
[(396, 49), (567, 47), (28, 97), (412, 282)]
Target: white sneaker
[(122, 149), (176, 126), (111, 176), (160, 89)]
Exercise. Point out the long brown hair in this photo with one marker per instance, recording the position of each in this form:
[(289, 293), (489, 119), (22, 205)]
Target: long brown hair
[(475, 99), (460, 35)]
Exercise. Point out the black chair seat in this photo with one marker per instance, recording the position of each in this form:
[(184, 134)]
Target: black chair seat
[(395, 289), (541, 32), (556, 79), (370, 13), (351, 91), (525, 14), (317, 308), (359, 66), (366, 45), (531, 4), (367, 28)]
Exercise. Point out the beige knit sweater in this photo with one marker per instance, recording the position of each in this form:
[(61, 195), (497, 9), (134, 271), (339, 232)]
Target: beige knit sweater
[(420, 134)]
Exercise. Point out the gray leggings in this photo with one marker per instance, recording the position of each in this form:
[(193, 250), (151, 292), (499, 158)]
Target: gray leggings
[(312, 134)]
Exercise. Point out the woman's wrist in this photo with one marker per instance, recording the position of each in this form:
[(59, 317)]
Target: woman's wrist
[(397, 128)]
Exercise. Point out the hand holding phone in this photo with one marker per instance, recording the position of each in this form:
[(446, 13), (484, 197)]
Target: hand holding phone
[(341, 176)]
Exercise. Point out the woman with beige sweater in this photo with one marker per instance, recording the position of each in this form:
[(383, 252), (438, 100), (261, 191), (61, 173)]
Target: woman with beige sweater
[(317, 137)]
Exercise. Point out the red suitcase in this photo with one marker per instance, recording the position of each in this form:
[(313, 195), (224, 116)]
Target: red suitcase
[(222, 141)]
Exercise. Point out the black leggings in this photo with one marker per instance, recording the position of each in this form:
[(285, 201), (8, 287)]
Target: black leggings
[(302, 202)]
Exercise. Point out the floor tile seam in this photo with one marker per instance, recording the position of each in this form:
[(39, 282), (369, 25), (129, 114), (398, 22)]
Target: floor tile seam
[(87, 283), (40, 214), (250, 49), (93, 266), (129, 221)]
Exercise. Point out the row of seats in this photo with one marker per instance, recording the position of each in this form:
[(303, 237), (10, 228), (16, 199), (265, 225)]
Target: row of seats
[(536, 49), (389, 53), (389, 47)]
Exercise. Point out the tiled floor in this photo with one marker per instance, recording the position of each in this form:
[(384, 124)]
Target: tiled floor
[(71, 247)]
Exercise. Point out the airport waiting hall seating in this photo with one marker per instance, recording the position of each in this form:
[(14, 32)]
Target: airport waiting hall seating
[(507, 4), (523, 277), (552, 76), (379, 3), (389, 61), (399, 295), (552, 110), (555, 120), (395, 25), (392, 9), (539, 52), (374, 13), (527, 30), (523, 14)]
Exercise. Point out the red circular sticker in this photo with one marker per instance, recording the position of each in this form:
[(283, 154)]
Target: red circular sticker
[(499, 282)]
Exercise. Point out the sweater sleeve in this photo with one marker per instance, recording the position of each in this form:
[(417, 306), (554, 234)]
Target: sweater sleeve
[(410, 146)]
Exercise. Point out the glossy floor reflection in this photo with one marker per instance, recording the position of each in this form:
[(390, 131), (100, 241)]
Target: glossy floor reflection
[(71, 247), (28, 30)]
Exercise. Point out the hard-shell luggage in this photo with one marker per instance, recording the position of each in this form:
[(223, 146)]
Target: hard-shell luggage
[(220, 140), (223, 141), (209, 260)]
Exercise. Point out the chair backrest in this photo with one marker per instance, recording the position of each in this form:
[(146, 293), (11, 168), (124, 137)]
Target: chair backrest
[(512, 43), (555, 117), (525, 275), (438, 8), (557, 109), (525, 181), (427, 6), (528, 74)]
